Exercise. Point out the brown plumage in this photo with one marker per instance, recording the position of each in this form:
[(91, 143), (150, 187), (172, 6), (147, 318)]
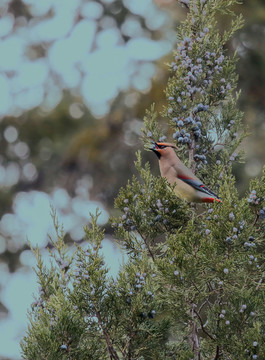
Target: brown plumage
[(187, 185)]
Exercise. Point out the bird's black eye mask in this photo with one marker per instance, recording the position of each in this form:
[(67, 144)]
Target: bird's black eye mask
[(156, 146)]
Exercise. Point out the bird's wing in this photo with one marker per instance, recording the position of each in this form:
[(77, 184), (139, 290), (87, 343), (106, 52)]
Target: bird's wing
[(198, 185)]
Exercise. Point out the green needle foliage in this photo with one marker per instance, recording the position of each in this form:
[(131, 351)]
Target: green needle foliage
[(193, 284)]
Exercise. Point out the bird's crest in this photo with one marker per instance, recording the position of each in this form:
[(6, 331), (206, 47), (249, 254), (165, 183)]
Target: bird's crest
[(162, 145)]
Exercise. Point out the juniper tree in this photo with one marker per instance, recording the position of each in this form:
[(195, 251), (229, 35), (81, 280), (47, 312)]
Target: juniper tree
[(193, 284)]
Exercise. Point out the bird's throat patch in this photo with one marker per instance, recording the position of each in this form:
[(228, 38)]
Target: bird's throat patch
[(157, 153)]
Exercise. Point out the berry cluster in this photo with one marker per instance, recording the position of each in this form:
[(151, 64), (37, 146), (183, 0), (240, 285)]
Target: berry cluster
[(253, 199), (138, 288), (155, 214), (140, 280), (222, 316), (200, 83), (193, 127), (81, 273), (198, 75), (40, 301), (126, 218)]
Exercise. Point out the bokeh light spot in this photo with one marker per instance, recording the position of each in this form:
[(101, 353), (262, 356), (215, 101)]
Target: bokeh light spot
[(76, 111), (6, 24), (10, 134), (30, 171), (21, 149), (92, 10), (61, 198), (5, 99), (12, 174), (147, 49), (11, 50), (132, 27), (108, 38), (31, 74), (40, 7)]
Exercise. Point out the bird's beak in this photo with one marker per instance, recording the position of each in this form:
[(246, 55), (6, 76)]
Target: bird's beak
[(154, 146)]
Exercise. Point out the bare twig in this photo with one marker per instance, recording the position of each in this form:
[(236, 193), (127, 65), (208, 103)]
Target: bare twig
[(129, 342), (194, 339), (202, 325), (217, 355), (256, 219), (216, 144), (202, 305), (259, 283), (147, 246), (112, 352)]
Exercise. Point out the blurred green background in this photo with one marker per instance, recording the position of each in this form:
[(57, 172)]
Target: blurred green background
[(75, 81)]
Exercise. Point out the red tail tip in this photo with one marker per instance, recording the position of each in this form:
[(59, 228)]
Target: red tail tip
[(211, 200)]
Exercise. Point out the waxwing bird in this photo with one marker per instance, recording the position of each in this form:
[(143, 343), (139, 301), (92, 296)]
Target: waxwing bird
[(186, 185)]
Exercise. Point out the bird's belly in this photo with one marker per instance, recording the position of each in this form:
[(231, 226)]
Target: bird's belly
[(181, 189), (185, 191)]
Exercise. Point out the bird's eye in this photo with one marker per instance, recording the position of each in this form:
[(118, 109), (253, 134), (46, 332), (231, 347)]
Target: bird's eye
[(162, 146)]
